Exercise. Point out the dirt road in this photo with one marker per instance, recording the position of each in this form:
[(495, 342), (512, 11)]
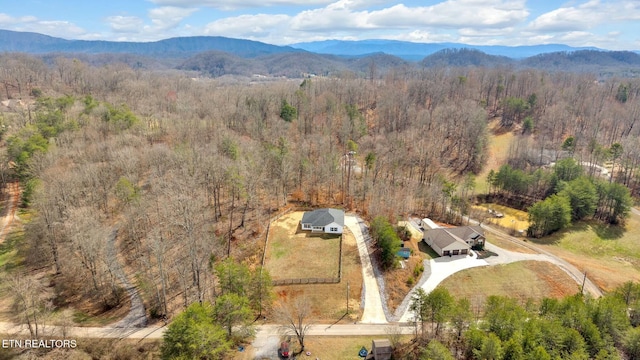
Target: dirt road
[(9, 209)]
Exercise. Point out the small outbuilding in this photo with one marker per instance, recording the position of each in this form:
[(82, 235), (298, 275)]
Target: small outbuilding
[(328, 221), (381, 349)]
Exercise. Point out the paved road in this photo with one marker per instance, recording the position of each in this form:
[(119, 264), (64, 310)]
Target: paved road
[(373, 311), (154, 332)]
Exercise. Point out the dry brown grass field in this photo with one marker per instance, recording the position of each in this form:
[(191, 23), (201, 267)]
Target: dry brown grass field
[(523, 280), (513, 219), (294, 254)]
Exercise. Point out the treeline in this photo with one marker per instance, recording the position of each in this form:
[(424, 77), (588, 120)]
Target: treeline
[(556, 197), (576, 327)]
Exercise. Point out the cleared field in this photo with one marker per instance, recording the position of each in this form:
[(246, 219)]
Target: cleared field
[(523, 280), (499, 143), (609, 255), (329, 301), (513, 219), (292, 253)]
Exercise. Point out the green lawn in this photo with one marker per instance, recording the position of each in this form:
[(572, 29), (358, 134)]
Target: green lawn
[(610, 255), (598, 240), (9, 250)]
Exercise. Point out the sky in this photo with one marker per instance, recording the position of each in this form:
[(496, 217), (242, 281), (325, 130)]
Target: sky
[(607, 24)]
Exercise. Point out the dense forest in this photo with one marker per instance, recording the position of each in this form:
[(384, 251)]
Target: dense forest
[(571, 328), (176, 173)]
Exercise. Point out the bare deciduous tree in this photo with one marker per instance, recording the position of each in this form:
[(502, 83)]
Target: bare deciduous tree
[(295, 318)]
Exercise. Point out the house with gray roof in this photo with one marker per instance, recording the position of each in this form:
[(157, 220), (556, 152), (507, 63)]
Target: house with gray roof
[(454, 241), (328, 221)]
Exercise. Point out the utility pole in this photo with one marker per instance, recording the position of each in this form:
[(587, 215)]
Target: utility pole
[(347, 297), (584, 280)]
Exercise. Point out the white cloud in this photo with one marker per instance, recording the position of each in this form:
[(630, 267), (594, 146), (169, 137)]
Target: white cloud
[(168, 17), (248, 26), (57, 28), (125, 24), (586, 16), (453, 14), (10, 20), (422, 36), (238, 4)]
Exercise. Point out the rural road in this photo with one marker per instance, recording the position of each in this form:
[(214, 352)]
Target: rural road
[(13, 190), (373, 311), (154, 332)]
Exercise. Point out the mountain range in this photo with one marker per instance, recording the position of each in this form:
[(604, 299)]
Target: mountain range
[(218, 56)]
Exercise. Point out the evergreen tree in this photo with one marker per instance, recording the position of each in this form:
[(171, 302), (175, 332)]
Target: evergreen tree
[(193, 334)]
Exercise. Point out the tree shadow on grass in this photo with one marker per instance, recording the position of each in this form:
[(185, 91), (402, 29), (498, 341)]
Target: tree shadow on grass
[(602, 231), (9, 245), (608, 231)]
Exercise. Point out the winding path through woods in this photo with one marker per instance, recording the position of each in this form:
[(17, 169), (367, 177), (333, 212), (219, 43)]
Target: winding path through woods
[(137, 316), (13, 190)]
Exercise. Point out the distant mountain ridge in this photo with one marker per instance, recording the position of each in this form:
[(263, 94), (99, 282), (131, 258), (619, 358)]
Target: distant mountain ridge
[(417, 51), (14, 41), (29, 42), (219, 56)]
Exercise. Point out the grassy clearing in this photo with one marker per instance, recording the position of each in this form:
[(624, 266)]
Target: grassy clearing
[(499, 143), (513, 219), (523, 280), (9, 258), (610, 255), (293, 253), (329, 301)]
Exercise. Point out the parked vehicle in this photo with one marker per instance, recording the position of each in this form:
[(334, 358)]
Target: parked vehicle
[(284, 350)]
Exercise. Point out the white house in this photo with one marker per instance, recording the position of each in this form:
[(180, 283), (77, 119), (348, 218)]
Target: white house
[(329, 221)]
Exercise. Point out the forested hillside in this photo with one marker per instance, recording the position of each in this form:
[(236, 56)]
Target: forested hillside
[(175, 174)]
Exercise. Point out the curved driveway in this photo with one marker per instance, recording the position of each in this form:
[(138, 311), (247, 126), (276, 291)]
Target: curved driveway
[(443, 267), (373, 311)]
